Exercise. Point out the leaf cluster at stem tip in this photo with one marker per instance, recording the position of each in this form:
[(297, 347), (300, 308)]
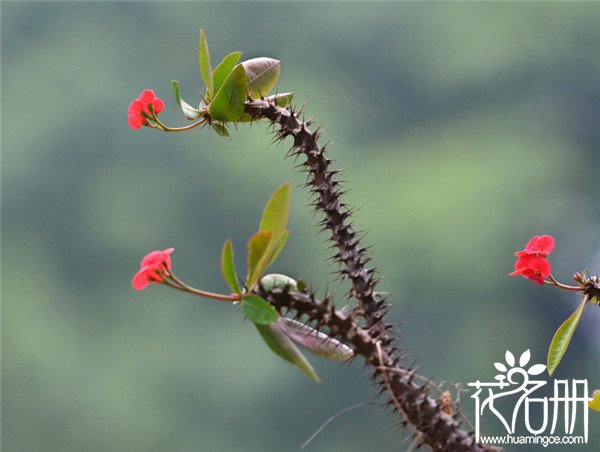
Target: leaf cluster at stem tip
[(229, 85)]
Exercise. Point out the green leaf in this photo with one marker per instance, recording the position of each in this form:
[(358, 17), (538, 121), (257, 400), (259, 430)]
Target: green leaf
[(228, 267), (221, 129), (228, 104), (205, 67), (277, 211), (188, 111), (264, 246), (275, 218), (258, 245), (282, 100), (224, 68), (314, 341), (258, 310), (283, 346), (277, 246), (594, 404), (263, 249), (562, 337), (262, 74)]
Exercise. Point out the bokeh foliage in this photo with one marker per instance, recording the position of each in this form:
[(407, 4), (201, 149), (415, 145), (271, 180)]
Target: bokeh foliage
[(466, 128)]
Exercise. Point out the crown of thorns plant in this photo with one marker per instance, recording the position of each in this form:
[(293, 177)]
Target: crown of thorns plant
[(286, 312)]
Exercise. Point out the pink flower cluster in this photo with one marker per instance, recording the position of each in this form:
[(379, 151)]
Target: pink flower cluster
[(532, 263), (155, 267), (141, 105)]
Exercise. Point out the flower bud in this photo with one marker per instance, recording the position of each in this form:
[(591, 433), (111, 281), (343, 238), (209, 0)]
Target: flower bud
[(278, 281)]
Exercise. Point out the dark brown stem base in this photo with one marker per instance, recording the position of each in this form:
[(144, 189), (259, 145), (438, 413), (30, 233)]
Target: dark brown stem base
[(422, 413)]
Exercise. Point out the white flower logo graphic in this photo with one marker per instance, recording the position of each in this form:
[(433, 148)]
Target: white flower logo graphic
[(508, 371)]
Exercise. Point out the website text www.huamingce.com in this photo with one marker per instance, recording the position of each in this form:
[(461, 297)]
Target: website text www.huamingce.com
[(545, 441)]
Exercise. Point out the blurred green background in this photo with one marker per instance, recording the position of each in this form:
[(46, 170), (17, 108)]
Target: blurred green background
[(466, 128)]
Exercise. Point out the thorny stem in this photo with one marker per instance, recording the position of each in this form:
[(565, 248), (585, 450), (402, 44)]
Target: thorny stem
[(423, 413), (370, 337), (386, 380), (351, 256)]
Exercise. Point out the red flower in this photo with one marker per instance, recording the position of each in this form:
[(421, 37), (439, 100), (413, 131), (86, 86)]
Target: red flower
[(532, 263), (532, 267), (153, 269), (142, 105)]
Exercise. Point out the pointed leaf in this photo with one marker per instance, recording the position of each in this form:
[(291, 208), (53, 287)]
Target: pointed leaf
[(510, 358), (188, 111), (277, 247), (536, 369), (277, 211), (562, 337), (228, 103), (524, 358), (205, 67), (264, 246), (314, 341), (274, 219), (220, 129), (258, 310), (283, 346), (228, 267), (594, 404), (257, 247), (282, 100), (262, 74), (224, 68)]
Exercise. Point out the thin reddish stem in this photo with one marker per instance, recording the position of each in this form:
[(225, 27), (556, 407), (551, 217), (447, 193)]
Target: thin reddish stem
[(165, 128), (180, 285), (554, 282)]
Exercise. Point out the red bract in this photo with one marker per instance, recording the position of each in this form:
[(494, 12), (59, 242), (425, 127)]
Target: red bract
[(538, 245), (532, 267), (155, 266), (142, 105), (532, 263)]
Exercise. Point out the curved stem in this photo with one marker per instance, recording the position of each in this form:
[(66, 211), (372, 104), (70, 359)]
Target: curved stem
[(352, 256), (180, 285), (554, 282), (165, 128), (365, 327), (214, 296)]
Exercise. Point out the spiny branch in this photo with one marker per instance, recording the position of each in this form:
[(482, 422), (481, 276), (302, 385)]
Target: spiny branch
[(364, 328), (351, 256), (425, 415)]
